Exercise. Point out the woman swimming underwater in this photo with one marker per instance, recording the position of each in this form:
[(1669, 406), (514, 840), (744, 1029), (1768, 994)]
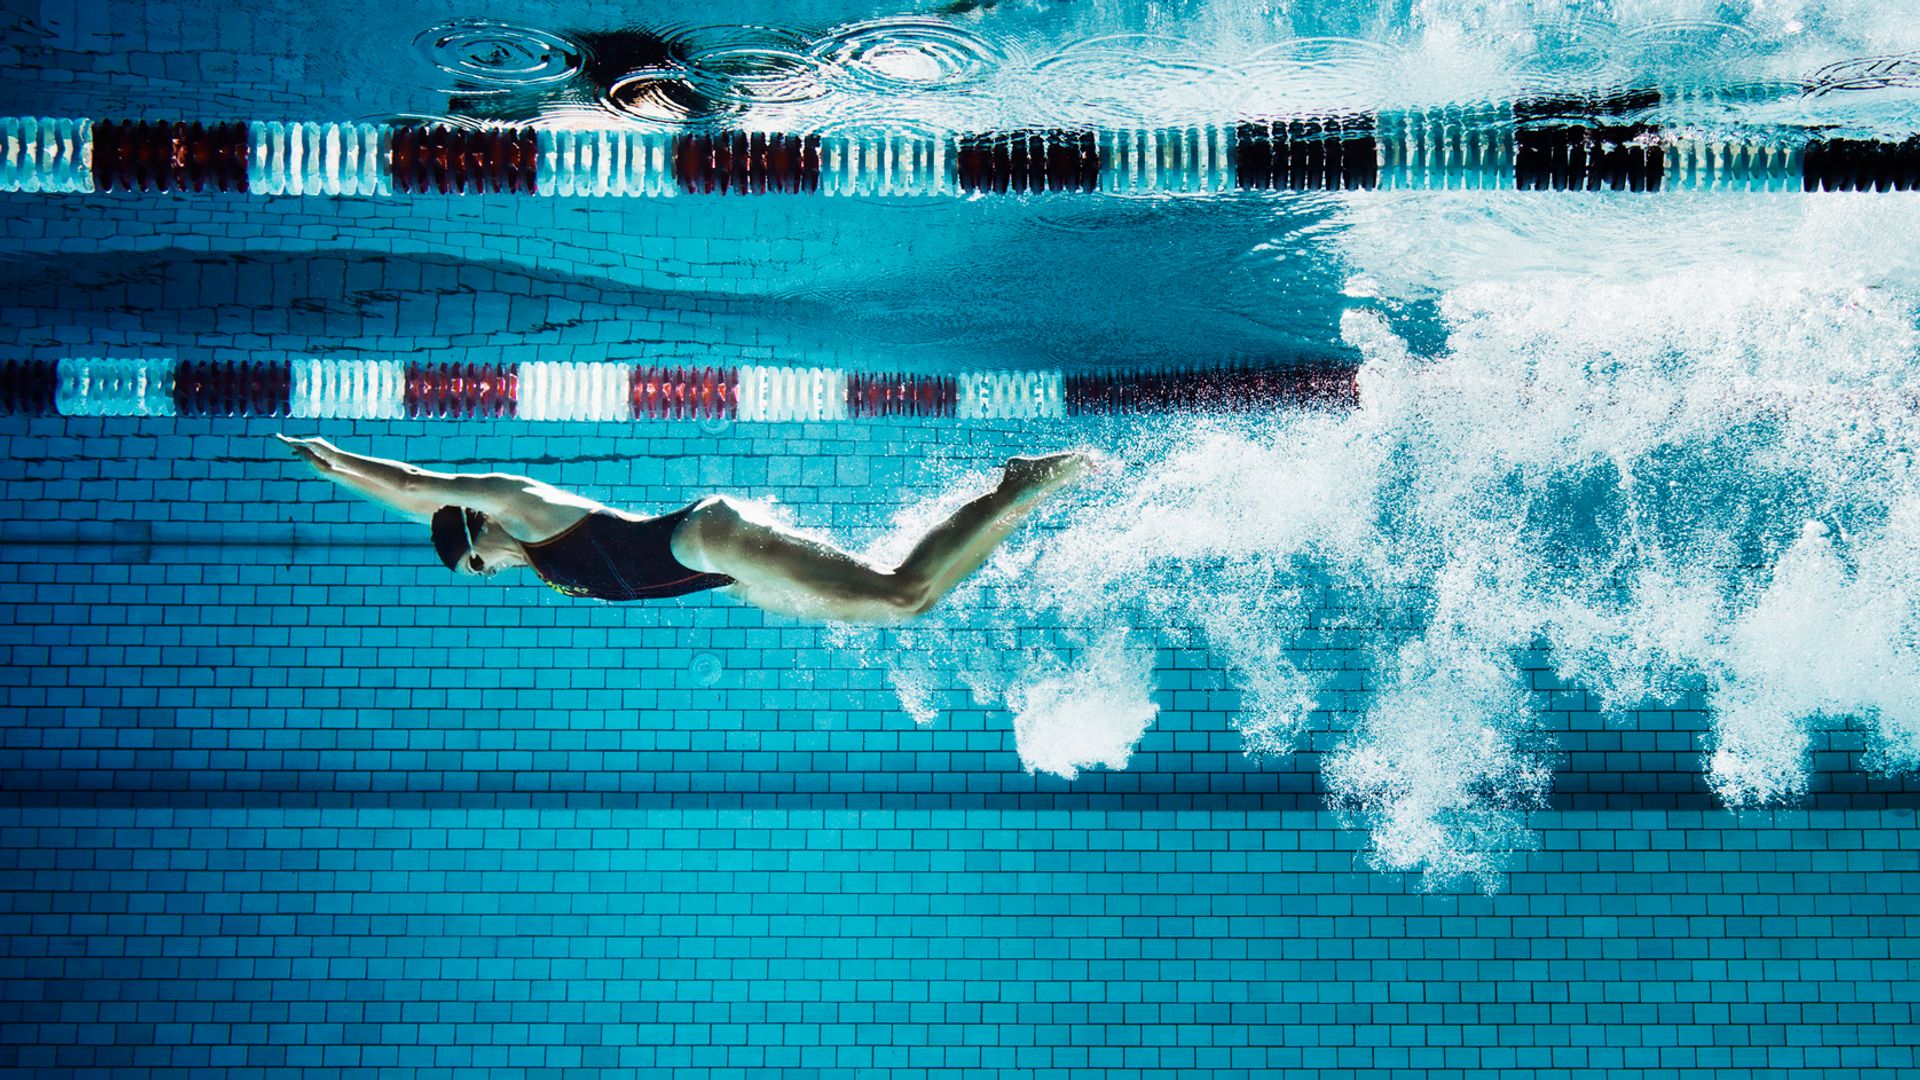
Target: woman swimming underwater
[(487, 522)]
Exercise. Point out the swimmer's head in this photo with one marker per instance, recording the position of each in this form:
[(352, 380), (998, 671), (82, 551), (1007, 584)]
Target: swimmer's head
[(453, 530), (469, 542)]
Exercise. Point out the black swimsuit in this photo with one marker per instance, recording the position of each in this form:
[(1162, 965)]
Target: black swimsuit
[(615, 558)]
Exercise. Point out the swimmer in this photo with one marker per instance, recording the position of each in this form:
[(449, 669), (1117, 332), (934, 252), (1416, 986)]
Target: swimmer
[(484, 523)]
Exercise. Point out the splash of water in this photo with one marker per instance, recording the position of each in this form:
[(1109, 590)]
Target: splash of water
[(1433, 768), (1704, 478), (1671, 441), (1088, 713)]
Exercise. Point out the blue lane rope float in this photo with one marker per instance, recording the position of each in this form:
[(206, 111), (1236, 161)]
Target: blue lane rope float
[(1564, 143), (363, 389)]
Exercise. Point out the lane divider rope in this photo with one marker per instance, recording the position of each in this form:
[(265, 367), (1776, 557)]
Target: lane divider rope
[(1576, 142), (371, 389)]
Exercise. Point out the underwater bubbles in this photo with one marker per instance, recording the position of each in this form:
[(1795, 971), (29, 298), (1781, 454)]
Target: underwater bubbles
[(1089, 713), (898, 318), (500, 55), (706, 669), (1693, 491)]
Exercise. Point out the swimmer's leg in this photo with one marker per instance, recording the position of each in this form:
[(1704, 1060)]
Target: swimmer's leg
[(957, 546), (790, 574)]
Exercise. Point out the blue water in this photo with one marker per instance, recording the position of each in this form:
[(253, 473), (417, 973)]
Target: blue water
[(1551, 714)]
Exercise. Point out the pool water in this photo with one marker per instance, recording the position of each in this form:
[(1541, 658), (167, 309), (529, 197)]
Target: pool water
[(1548, 713)]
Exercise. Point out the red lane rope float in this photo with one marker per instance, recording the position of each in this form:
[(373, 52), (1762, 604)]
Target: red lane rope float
[(870, 394), (684, 393), (1028, 161), (1240, 388), (29, 387), (519, 150), (144, 155), (460, 391), (746, 162), (464, 161), (232, 388), (403, 159)]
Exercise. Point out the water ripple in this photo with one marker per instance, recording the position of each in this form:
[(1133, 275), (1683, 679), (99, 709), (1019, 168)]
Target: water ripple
[(1576, 51), (1900, 71), (499, 55), (925, 70), (1690, 40), (907, 52), (658, 95), (1133, 79), (744, 66), (1319, 74)]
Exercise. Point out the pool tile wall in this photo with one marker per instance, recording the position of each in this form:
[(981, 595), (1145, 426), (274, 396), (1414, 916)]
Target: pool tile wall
[(278, 795)]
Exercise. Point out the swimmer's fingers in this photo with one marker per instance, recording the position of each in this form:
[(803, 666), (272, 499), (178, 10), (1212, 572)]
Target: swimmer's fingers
[(311, 443), (305, 451), (1099, 462)]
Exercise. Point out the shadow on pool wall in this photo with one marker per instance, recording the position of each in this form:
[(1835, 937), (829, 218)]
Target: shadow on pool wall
[(889, 285)]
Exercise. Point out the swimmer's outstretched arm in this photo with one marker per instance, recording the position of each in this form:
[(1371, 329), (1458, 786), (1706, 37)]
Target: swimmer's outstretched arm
[(417, 492)]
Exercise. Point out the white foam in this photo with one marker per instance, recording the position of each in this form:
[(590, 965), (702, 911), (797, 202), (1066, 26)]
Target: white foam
[(1625, 471), (1823, 639), (1433, 765), (1088, 714)]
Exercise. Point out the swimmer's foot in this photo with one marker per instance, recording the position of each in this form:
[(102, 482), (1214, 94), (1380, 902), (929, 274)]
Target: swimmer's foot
[(1031, 479)]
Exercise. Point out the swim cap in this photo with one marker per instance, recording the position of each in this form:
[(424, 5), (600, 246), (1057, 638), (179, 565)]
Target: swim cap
[(453, 529)]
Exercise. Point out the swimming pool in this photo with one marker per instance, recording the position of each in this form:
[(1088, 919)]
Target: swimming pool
[(1492, 651)]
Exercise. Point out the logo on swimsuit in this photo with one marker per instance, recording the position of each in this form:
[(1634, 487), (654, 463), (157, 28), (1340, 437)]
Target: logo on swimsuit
[(577, 592)]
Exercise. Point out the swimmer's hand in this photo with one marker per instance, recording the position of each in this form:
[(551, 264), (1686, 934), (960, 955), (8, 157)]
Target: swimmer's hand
[(315, 451)]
